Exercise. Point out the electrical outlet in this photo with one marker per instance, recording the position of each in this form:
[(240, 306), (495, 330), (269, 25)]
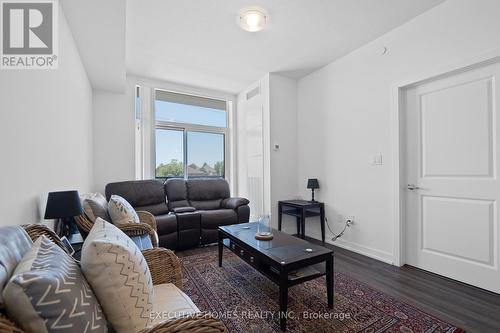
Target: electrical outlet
[(350, 220)]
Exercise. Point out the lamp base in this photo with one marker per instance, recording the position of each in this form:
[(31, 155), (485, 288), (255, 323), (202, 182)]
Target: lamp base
[(66, 227), (312, 195)]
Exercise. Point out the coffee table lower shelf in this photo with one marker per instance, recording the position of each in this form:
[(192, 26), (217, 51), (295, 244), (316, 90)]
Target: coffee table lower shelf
[(285, 275)]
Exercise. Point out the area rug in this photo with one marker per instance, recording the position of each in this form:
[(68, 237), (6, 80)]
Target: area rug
[(246, 301)]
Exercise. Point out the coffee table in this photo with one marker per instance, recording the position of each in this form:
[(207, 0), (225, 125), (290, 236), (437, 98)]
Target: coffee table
[(285, 260)]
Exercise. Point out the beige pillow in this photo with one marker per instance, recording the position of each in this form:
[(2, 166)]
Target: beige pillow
[(119, 275), (121, 211)]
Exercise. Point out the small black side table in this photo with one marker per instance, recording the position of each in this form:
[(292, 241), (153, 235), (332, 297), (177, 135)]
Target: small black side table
[(76, 241), (302, 209)]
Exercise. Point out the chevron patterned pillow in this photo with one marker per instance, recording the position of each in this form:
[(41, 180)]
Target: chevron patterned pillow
[(48, 293), (119, 275)]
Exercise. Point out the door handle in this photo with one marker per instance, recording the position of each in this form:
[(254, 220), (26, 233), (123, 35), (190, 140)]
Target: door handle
[(413, 187)]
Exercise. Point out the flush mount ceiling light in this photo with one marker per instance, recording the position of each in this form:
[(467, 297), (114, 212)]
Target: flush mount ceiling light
[(253, 19)]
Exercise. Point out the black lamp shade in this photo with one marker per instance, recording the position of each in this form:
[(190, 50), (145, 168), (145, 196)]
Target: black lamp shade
[(312, 183), (63, 204)]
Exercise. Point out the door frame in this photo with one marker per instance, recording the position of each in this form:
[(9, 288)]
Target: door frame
[(397, 139)]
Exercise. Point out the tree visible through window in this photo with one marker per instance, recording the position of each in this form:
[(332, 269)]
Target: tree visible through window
[(190, 136), (205, 154), (169, 153)]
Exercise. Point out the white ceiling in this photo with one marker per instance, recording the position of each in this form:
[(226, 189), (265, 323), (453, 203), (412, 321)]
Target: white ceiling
[(198, 42), (98, 29)]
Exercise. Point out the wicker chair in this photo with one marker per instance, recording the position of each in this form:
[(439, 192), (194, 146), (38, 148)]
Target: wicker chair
[(165, 268), (146, 227)]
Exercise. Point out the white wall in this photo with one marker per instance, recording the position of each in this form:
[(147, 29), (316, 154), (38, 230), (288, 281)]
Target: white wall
[(252, 114), (283, 131), (344, 112), (114, 138), (278, 104), (46, 135), (115, 132)]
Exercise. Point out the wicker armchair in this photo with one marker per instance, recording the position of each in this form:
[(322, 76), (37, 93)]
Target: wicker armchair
[(146, 227), (165, 268)]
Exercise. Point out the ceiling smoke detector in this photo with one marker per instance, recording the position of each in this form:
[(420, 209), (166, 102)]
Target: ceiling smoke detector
[(253, 19)]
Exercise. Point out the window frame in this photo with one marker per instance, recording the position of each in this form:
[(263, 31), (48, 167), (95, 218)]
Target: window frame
[(167, 125)]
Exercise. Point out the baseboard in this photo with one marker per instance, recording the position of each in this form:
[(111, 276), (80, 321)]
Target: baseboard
[(360, 249)]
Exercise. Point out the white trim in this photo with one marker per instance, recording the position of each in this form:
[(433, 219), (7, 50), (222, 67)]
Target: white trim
[(150, 85), (397, 162), (364, 250), (181, 88), (358, 248)]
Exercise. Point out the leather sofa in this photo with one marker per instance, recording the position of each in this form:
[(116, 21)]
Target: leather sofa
[(187, 212)]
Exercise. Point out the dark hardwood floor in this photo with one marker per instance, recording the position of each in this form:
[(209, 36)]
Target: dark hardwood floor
[(470, 308)]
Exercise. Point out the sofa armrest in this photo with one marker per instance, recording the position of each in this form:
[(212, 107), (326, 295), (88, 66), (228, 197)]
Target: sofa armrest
[(139, 229), (234, 203), (200, 322), (8, 326), (146, 227), (149, 219), (37, 230), (164, 266), (179, 210)]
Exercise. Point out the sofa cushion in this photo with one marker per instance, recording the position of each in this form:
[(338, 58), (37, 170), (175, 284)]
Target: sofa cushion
[(206, 204), (48, 293), (166, 223), (94, 206), (119, 276), (156, 209), (176, 191), (212, 219), (170, 302), (14, 244), (121, 211), (143, 242), (138, 192), (203, 189)]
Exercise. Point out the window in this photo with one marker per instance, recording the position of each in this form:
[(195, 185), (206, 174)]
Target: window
[(190, 136), (186, 109), (205, 154), (169, 153)]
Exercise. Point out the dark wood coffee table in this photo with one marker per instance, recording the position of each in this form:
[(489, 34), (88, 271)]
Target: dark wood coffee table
[(285, 260)]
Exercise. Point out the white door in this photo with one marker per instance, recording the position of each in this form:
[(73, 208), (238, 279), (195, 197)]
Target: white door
[(254, 150), (452, 158)]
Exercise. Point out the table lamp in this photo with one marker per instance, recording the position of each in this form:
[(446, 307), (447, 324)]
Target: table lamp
[(64, 206), (312, 183)]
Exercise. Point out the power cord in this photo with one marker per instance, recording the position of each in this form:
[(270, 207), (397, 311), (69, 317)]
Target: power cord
[(348, 223)]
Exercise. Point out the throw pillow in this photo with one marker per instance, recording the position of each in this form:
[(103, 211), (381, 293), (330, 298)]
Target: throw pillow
[(121, 211), (94, 206), (48, 293), (119, 276)]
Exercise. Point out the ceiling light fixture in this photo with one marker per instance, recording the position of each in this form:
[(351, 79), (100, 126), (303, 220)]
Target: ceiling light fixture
[(253, 19)]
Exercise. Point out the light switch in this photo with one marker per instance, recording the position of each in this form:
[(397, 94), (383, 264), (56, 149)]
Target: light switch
[(377, 159)]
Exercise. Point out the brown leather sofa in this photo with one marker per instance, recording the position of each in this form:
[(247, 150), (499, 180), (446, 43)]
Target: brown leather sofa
[(187, 212)]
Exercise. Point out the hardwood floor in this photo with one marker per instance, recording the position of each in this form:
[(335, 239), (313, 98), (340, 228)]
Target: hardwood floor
[(470, 308)]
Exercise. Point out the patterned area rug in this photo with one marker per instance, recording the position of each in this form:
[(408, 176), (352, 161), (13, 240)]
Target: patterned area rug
[(246, 301)]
